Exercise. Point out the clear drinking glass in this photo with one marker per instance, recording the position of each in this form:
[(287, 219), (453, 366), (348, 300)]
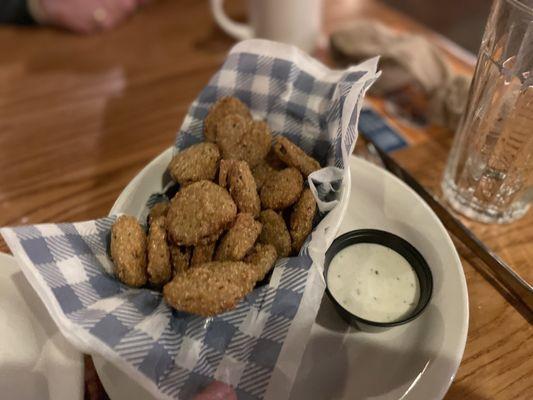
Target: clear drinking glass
[(489, 175)]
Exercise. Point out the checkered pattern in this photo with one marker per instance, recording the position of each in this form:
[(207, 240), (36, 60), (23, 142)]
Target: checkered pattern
[(317, 111), (173, 353)]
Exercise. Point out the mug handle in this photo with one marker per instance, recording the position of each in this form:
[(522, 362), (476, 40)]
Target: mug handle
[(237, 30)]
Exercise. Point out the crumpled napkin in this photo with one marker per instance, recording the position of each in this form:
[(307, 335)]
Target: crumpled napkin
[(407, 59)]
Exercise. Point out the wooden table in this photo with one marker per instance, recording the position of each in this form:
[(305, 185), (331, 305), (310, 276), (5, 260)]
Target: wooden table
[(80, 116)]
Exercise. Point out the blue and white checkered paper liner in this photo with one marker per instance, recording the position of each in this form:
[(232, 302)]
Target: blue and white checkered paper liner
[(258, 346)]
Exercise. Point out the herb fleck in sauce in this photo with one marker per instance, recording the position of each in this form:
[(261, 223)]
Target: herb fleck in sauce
[(374, 282)]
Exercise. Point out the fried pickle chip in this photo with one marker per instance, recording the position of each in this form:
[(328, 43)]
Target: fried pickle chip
[(282, 189), (262, 258), (199, 213), (243, 139), (202, 253), (243, 190), (128, 251), (158, 210), (261, 172), (195, 163), (224, 168), (180, 257), (239, 239), (294, 156), (301, 220), (230, 131), (255, 145), (159, 268), (275, 232), (210, 288), (224, 106)]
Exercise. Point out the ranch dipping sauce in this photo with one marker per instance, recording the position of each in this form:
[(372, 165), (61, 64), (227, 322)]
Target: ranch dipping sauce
[(373, 282)]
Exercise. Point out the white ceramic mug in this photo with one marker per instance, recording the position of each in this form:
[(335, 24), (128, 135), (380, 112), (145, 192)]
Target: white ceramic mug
[(296, 22)]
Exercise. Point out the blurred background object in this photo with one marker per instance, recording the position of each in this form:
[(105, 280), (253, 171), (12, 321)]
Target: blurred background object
[(296, 22), (15, 11), (81, 16), (412, 68), (461, 21)]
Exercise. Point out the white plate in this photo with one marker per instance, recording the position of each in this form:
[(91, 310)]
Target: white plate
[(36, 361), (414, 361)]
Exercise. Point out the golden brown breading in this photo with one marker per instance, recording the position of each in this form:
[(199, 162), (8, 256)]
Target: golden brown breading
[(158, 210), (210, 288), (159, 268), (195, 163), (301, 220), (230, 131), (128, 251), (261, 172), (275, 232), (198, 213), (282, 189), (224, 168), (243, 190), (202, 254), (255, 145), (294, 156), (262, 257), (243, 139), (180, 257), (224, 106), (239, 239)]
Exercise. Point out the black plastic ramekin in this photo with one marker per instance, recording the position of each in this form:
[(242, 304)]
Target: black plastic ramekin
[(399, 245)]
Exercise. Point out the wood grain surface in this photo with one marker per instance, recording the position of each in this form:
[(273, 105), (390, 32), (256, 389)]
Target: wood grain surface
[(80, 116)]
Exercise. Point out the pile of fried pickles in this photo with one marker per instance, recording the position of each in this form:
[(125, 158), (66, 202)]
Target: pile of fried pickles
[(242, 204)]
